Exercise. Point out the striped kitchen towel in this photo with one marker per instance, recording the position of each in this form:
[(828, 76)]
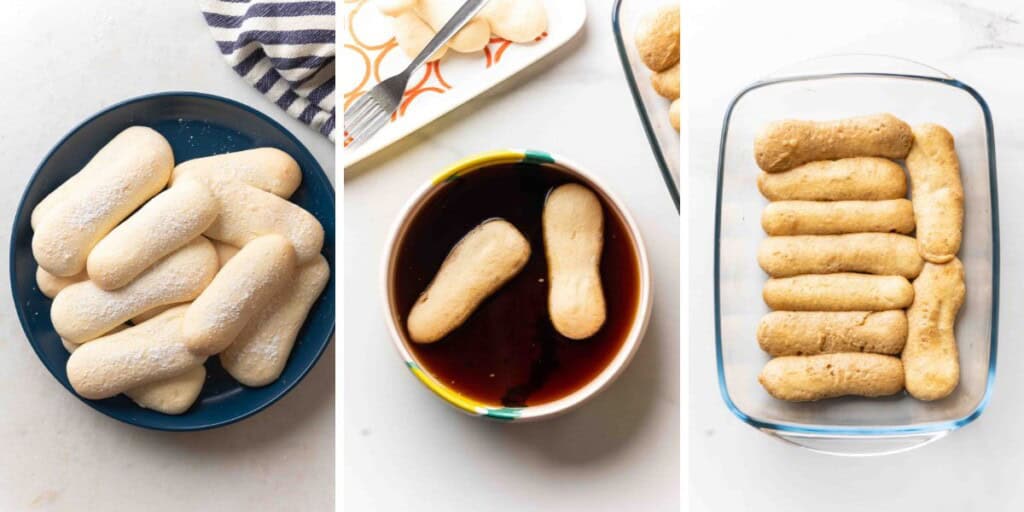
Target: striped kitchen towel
[(285, 49)]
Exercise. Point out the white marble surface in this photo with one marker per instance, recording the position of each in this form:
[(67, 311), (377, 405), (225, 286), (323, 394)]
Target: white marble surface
[(65, 61), (729, 43), (404, 448)]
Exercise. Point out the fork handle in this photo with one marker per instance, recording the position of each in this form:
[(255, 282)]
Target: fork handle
[(457, 21)]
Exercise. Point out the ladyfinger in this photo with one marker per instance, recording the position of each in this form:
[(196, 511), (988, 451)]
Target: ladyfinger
[(472, 37), (166, 223), (484, 260), (809, 378), (258, 355), (412, 35), (58, 196), (666, 83), (837, 217), (150, 352), (931, 357), (224, 252), (71, 347), (519, 21), (783, 145), (673, 114), (573, 223), (262, 269), (268, 169), (51, 285), (146, 315), (173, 395), (84, 311), (394, 7), (847, 179), (802, 333), (130, 169), (247, 213), (838, 292), (871, 253), (657, 38), (937, 192)]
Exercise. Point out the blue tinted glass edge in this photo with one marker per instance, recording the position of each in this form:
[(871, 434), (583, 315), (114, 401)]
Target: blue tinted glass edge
[(645, 121)]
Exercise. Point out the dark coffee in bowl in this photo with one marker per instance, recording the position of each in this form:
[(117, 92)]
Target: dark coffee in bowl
[(508, 352)]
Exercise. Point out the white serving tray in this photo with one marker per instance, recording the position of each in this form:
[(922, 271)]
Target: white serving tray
[(370, 55)]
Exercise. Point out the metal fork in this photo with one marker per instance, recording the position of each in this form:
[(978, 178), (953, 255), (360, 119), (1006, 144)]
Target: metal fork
[(371, 111)]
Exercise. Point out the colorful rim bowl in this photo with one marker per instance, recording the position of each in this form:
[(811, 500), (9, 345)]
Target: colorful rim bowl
[(588, 390)]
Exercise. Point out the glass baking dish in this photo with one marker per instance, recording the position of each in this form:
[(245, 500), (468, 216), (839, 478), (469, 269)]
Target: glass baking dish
[(837, 87), (653, 108)]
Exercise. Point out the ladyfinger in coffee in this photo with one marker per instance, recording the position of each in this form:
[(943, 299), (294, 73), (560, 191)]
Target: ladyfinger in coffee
[(573, 223)]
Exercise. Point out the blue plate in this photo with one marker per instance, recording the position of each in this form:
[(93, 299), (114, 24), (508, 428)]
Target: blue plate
[(196, 125)]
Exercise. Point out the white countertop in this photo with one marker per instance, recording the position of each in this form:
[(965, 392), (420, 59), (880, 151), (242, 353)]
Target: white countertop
[(62, 64), (734, 467), (404, 448)]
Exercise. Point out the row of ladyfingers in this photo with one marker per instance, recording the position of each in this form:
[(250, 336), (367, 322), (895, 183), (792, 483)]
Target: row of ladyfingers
[(841, 258)]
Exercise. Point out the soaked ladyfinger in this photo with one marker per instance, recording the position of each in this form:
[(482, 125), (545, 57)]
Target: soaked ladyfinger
[(573, 240), (809, 378), (838, 292), (781, 218), (846, 179), (931, 357), (783, 145), (870, 253), (484, 260), (796, 333), (937, 193)]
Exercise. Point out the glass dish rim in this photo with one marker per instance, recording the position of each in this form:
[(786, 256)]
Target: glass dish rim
[(873, 431), (634, 90)]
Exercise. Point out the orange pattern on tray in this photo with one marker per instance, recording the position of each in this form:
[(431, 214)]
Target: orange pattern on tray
[(433, 80)]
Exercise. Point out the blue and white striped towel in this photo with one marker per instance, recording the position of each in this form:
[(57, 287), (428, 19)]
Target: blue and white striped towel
[(285, 49)]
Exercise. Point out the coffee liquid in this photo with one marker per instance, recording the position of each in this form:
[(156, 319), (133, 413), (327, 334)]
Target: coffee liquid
[(508, 352)]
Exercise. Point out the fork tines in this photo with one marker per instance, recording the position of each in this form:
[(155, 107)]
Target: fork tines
[(363, 119)]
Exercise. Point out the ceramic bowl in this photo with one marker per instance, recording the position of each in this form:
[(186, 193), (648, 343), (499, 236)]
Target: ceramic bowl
[(480, 163)]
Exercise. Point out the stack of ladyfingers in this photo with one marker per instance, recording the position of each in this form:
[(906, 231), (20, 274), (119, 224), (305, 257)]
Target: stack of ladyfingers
[(657, 41), (864, 283), (154, 267)]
